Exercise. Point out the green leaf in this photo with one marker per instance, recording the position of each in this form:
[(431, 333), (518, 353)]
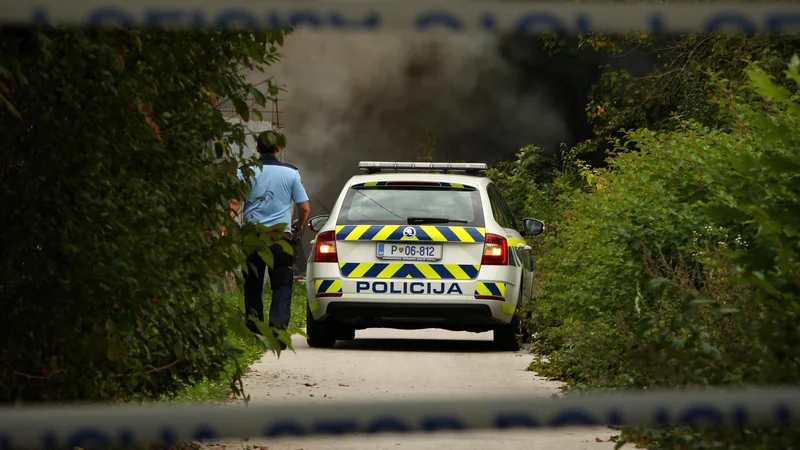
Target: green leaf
[(241, 108), (654, 284), (251, 242), (258, 96), (766, 87), (267, 257), (700, 302), (267, 336), (287, 247), (113, 352), (794, 69), (9, 106)]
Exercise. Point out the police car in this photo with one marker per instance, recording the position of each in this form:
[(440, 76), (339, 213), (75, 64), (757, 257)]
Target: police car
[(413, 245)]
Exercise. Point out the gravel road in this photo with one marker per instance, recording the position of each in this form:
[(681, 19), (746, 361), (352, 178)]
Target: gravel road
[(384, 363)]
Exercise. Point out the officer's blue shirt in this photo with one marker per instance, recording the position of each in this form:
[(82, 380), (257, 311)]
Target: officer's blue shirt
[(274, 186)]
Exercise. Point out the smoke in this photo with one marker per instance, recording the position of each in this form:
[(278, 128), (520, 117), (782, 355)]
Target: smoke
[(357, 97)]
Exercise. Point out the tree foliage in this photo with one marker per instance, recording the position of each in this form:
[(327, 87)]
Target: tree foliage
[(675, 264), (114, 185)]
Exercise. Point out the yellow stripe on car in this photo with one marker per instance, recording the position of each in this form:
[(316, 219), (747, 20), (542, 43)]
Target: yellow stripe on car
[(358, 232), (481, 289), (390, 270), (494, 289), (361, 270), (416, 233), (462, 234), (409, 271), (385, 232), (327, 286)]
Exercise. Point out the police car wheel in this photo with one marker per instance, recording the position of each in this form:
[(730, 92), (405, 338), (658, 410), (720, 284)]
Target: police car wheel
[(320, 334), (505, 336)]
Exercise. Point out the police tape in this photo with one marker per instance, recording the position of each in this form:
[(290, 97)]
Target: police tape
[(414, 15), (105, 426)]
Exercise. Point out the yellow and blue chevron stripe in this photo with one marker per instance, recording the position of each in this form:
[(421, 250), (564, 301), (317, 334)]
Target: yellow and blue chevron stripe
[(424, 233), (374, 184), (323, 287), (490, 289), (410, 270)]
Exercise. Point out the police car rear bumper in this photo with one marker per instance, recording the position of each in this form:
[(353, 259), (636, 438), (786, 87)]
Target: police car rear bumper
[(372, 310), (490, 299), (455, 315)]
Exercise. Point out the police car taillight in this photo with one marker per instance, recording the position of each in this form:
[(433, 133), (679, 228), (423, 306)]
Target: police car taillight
[(495, 251), (325, 248)]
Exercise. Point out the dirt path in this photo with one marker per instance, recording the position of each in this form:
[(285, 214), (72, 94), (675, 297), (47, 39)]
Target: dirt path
[(408, 364)]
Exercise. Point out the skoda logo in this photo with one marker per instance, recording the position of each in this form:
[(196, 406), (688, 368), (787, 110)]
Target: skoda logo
[(409, 232)]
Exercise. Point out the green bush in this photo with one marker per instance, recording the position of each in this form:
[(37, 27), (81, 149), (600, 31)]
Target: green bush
[(677, 264), (111, 200), (219, 388)]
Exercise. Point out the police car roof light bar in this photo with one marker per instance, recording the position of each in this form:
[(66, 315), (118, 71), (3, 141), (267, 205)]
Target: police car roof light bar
[(377, 166)]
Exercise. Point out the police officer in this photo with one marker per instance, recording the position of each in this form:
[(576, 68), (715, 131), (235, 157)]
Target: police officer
[(274, 186)]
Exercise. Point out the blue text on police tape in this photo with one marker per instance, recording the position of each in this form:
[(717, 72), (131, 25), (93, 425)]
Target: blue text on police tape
[(694, 415), (532, 20), (400, 287)]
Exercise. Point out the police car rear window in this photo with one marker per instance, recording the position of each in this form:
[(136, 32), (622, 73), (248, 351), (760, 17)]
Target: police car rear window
[(393, 205)]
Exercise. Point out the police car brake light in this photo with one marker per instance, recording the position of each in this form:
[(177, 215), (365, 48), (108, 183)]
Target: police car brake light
[(377, 166), (325, 248), (495, 251)]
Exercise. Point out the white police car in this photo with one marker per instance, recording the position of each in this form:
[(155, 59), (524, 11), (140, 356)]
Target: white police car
[(421, 247)]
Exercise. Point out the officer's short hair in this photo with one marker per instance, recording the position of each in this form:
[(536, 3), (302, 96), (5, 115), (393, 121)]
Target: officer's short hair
[(263, 142)]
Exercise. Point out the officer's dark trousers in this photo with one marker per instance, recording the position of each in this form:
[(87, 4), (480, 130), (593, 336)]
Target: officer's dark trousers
[(281, 279)]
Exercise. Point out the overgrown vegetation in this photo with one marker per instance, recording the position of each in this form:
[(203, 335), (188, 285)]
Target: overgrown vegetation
[(219, 388), (676, 264), (114, 186)]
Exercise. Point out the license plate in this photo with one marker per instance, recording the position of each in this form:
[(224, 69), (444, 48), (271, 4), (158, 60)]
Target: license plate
[(409, 252)]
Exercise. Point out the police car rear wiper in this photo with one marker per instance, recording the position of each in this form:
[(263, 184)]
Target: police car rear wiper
[(415, 220)]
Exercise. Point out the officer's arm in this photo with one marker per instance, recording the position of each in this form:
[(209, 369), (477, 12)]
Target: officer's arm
[(301, 200), (235, 206), (303, 210), (234, 203)]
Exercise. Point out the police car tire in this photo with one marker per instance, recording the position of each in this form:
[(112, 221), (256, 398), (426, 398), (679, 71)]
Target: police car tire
[(505, 336), (320, 334)]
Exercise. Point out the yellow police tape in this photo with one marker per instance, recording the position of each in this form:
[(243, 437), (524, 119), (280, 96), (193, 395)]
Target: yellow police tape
[(423, 233), (410, 271), (87, 426)]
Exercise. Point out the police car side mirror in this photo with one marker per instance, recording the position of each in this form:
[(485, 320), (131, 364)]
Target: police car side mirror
[(315, 223), (532, 227)]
